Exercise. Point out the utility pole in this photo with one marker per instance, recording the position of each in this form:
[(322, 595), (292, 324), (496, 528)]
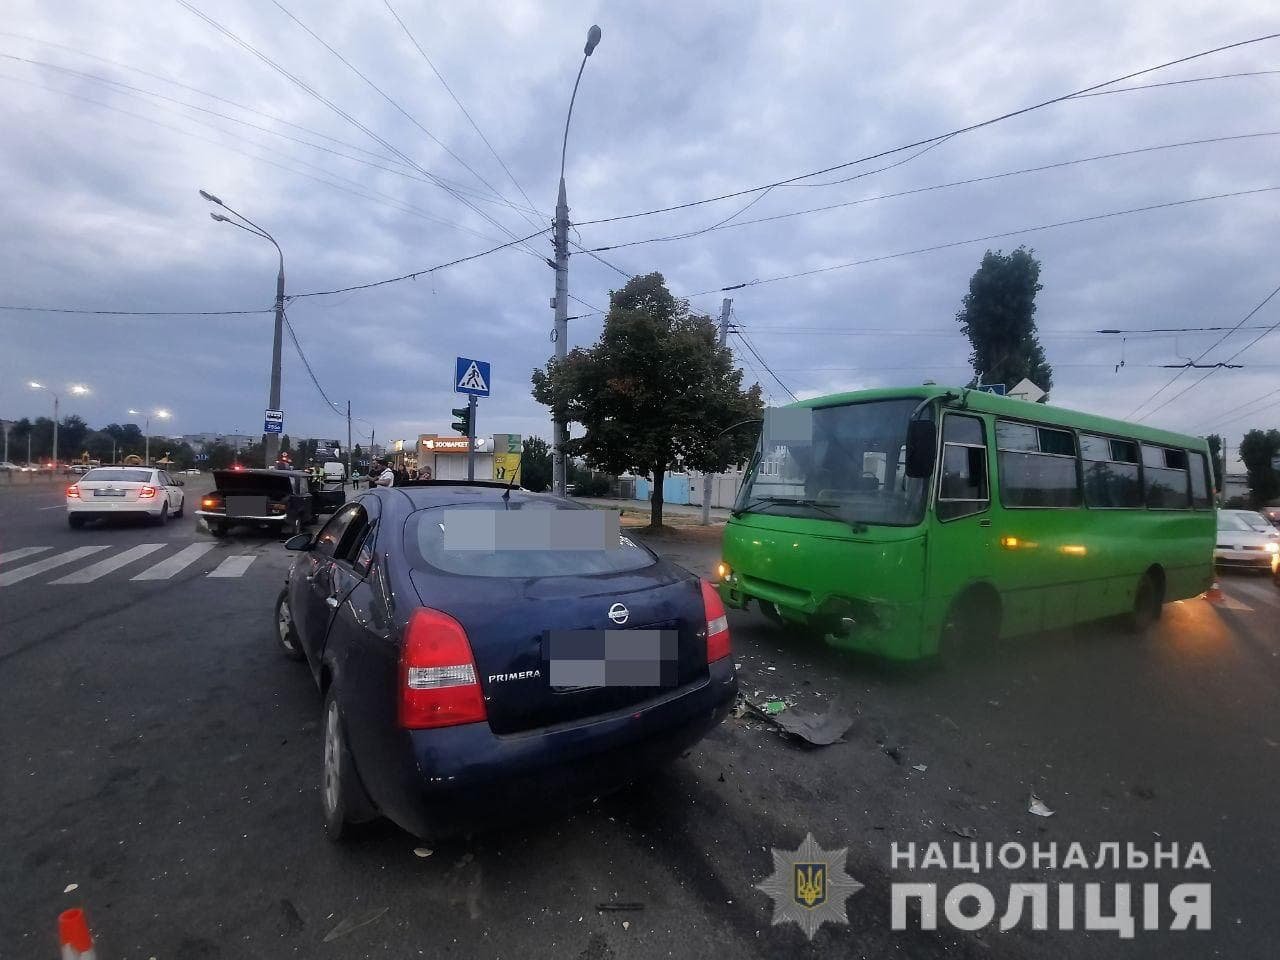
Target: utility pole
[(560, 429), (348, 442), (7, 425), (471, 436), (273, 439), (725, 305)]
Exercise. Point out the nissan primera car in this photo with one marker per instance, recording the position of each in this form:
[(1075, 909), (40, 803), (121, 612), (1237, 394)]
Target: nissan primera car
[(483, 652)]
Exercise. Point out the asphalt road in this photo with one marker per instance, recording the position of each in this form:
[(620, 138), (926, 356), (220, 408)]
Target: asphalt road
[(160, 754)]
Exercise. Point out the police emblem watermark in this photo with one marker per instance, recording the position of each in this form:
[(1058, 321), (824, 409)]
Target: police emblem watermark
[(809, 886)]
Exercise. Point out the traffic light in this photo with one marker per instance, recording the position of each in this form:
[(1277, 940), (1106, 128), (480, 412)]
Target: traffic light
[(463, 425)]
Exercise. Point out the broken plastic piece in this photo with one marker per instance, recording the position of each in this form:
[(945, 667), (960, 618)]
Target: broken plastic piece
[(354, 923), (819, 729), (1037, 806)]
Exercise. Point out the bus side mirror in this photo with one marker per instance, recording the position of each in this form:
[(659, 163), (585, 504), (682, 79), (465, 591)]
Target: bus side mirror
[(922, 442)]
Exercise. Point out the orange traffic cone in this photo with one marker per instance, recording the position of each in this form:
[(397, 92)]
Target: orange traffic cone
[(73, 932), (1214, 594)]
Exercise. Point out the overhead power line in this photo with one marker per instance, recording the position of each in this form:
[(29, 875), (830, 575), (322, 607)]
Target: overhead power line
[(1178, 83), (928, 140), (1247, 317), (992, 236), (969, 181), (136, 313), (737, 330), (417, 273)]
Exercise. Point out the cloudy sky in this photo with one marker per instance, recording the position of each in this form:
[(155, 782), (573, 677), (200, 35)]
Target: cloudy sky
[(115, 112)]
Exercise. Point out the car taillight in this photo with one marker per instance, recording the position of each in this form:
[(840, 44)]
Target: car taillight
[(209, 502), (146, 493), (717, 624), (438, 682), (73, 492)]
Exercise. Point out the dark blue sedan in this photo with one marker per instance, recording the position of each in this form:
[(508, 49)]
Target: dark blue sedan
[(483, 652)]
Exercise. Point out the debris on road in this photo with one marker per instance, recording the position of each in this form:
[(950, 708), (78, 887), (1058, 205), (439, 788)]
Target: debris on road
[(1037, 806), (354, 923), (819, 729), (919, 766), (422, 852), (967, 832), (71, 886), (619, 906)]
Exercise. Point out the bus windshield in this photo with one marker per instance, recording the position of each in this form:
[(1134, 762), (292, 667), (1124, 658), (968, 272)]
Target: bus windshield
[(843, 463)]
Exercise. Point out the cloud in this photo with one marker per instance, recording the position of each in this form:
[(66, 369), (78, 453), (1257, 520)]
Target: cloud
[(677, 103)]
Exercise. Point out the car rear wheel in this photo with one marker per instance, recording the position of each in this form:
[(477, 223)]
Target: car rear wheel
[(219, 530), (340, 791), (74, 522), (286, 634), (164, 516), (182, 506)]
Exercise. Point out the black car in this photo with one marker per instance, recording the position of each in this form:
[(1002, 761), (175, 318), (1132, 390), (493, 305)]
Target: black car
[(465, 683), (287, 500)]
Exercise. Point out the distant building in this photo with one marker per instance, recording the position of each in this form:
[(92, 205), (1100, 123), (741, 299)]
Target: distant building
[(1235, 485), (237, 441)]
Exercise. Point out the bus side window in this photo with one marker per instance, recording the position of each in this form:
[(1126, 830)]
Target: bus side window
[(1200, 486), (962, 481), (1165, 476)]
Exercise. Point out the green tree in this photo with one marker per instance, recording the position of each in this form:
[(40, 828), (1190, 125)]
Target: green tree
[(220, 454), (655, 393), (286, 445), (535, 464), (18, 434), (71, 434), (1215, 457), (1256, 450), (998, 316)]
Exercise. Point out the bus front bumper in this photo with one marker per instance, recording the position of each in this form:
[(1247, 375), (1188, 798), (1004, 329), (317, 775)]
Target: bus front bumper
[(887, 629)]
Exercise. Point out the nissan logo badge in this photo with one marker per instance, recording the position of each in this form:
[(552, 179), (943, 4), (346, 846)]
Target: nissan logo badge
[(618, 614)]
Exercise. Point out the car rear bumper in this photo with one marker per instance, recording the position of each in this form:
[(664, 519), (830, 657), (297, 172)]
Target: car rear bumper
[(213, 515), (104, 507), (470, 778)]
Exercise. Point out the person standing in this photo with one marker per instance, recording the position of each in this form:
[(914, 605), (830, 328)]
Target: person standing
[(385, 476)]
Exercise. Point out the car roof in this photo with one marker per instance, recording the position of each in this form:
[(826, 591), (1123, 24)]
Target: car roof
[(423, 494)]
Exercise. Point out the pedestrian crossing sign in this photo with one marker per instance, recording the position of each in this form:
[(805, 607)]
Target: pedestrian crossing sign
[(471, 376)]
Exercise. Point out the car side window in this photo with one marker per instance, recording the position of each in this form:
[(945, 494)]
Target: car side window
[(331, 535), (362, 548)]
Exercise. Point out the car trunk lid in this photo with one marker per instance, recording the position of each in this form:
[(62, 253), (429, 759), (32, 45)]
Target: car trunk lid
[(516, 626)]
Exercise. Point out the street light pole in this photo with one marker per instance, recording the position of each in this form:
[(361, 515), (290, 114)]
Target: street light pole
[(270, 441), (561, 244), (75, 388), (161, 415)]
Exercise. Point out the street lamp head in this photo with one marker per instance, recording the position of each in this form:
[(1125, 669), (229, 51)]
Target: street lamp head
[(34, 385), (593, 40), (219, 217), (211, 198), (79, 389), (163, 414), (134, 413)]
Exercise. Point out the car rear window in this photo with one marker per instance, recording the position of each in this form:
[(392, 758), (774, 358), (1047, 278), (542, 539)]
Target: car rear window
[(425, 546), (119, 476)]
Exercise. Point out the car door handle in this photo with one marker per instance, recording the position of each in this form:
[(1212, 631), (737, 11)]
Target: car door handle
[(332, 601), (984, 523)]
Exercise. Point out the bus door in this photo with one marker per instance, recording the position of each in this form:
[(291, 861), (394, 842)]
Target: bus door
[(967, 543)]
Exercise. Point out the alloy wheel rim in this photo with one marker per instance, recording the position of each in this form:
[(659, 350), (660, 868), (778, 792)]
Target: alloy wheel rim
[(331, 759), (284, 622)]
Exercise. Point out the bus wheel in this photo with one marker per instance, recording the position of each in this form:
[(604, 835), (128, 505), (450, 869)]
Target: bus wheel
[(1148, 602), (973, 621)]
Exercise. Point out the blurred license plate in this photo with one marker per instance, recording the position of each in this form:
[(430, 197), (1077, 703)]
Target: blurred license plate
[(589, 659), (108, 493), (246, 506)]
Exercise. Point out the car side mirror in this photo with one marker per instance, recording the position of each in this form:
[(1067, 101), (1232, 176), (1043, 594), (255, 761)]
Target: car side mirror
[(922, 441), (301, 541)]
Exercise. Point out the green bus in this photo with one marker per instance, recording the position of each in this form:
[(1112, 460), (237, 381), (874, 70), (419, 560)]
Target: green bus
[(898, 520)]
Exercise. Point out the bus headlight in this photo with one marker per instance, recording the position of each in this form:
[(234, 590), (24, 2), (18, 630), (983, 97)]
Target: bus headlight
[(723, 572)]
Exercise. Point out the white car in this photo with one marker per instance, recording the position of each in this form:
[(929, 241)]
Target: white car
[(1246, 539), (191, 472), (124, 491)]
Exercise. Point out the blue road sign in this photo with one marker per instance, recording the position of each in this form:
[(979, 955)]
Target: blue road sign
[(471, 376), (998, 389)]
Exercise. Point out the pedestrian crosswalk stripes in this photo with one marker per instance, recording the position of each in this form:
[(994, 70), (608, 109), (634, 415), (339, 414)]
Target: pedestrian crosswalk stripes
[(18, 574), (39, 560), (175, 564), (20, 553), (103, 567), (232, 566)]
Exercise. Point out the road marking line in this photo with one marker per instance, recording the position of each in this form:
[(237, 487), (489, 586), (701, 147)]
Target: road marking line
[(21, 552), (54, 507), (103, 567), (175, 564), (48, 563), (233, 566), (1256, 588)]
